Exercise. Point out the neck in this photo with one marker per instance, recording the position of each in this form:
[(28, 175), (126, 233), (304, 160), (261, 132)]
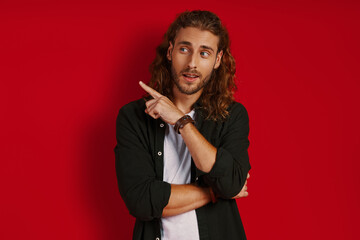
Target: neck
[(183, 101)]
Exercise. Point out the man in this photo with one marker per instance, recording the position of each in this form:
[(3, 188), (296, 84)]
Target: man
[(177, 176)]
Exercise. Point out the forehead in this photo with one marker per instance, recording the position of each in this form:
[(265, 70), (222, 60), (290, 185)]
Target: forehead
[(197, 37)]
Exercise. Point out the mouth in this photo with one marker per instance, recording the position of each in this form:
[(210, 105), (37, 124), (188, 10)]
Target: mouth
[(190, 77)]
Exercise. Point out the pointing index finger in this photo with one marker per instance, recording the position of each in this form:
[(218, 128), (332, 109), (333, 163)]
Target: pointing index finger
[(149, 90)]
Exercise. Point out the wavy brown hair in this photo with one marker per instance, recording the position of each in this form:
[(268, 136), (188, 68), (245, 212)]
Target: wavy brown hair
[(218, 93)]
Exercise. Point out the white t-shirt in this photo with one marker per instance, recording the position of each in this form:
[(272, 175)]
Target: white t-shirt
[(177, 170)]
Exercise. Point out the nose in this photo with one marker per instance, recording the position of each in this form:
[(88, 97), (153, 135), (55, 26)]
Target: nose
[(192, 61)]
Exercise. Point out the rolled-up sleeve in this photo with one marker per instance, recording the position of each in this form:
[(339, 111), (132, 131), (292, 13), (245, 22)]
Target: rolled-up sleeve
[(144, 195), (228, 175)]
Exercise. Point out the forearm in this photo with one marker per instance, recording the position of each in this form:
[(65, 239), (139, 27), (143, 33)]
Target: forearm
[(184, 198), (205, 155), (202, 152)]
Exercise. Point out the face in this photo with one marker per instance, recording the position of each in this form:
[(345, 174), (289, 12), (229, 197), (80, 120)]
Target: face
[(193, 59)]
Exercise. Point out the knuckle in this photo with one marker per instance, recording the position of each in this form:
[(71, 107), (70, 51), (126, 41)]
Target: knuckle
[(149, 103)]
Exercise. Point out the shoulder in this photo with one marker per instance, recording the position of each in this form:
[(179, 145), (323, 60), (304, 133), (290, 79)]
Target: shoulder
[(134, 106), (237, 110), (238, 119), (133, 109), (132, 112)]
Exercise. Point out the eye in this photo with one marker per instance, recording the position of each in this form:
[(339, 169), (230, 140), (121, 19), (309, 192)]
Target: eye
[(205, 54), (184, 49)]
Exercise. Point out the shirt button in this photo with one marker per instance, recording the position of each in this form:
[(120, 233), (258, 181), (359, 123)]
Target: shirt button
[(197, 178), (157, 238), (159, 153), (162, 125)]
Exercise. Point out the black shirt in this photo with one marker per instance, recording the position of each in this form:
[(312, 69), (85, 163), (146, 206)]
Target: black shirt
[(139, 169)]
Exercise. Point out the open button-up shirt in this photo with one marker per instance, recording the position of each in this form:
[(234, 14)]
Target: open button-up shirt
[(139, 167)]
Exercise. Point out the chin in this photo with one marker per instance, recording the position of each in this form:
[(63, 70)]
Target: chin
[(189, 90)]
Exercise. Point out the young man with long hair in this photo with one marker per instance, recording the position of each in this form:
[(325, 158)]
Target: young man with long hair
[(181, 153)]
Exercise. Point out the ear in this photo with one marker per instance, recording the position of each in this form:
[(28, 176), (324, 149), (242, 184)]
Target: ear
[(218, 59), (169, 51)]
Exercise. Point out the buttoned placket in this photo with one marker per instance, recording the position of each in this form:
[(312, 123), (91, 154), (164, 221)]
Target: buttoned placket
[(159, 149)]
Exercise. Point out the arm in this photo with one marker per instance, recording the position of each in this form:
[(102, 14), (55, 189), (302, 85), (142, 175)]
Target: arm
[(224, 168), (184, 198), (188, 197), (202, 152), (229, 172), (144, 194)]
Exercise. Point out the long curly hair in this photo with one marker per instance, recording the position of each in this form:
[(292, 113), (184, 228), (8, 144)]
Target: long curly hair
[(218, 94)]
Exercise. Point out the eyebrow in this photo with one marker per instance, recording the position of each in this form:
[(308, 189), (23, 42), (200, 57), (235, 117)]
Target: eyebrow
[(202, 46)]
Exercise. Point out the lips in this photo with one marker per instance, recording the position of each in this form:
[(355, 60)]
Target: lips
[(190, 77)]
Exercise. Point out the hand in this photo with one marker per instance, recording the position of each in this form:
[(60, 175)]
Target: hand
[(243, 192), (161, 106)]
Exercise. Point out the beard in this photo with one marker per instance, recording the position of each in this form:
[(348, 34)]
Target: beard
[(190, 88)]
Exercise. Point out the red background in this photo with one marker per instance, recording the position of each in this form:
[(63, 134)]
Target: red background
[(67, 67)]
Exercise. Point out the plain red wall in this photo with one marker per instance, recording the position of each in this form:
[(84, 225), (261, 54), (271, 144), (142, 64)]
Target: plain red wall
[(66, 67)]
